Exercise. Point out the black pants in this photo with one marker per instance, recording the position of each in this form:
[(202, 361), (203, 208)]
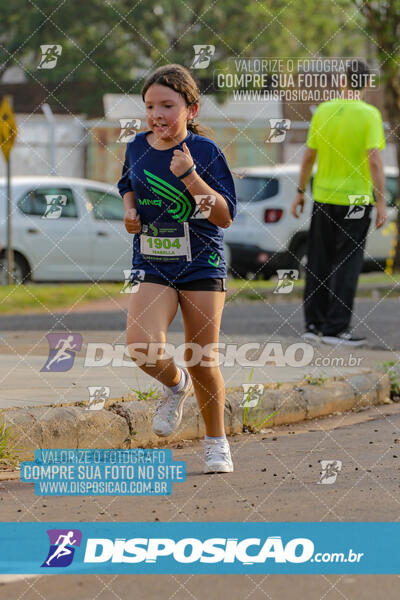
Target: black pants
[(335, 258)]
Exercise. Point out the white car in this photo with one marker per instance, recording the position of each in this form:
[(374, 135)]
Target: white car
[(264, 236), (65, 229)]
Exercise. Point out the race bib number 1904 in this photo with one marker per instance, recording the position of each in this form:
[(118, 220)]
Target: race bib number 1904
[(168, 241)]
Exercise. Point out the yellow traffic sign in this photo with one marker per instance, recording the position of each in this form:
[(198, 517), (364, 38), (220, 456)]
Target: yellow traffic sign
[(8, 128)]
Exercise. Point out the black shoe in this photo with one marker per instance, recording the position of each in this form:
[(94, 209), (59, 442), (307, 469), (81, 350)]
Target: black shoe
[(345, 338), (312, 333)]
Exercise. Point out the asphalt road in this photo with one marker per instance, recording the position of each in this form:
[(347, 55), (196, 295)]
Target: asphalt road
[(275, 479), (377, 320)]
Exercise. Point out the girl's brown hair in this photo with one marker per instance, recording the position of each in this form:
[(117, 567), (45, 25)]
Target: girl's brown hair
[(180, 79)]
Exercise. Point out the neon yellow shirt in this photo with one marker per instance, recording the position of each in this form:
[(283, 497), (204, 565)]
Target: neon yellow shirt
[(342, 131)]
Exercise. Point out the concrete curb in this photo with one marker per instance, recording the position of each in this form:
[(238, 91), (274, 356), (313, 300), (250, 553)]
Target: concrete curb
[(127, 424)]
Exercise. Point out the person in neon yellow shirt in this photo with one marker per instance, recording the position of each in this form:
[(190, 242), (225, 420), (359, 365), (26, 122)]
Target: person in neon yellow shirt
[(346, 135)]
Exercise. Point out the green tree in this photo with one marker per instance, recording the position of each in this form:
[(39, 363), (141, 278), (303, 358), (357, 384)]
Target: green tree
[(381, 22), (167, 31), (114, 41), (87, 32)]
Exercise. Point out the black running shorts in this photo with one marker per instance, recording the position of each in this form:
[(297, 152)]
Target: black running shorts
[(209, 284)]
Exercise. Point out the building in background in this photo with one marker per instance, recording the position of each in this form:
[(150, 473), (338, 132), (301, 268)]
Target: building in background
[(89, 147)]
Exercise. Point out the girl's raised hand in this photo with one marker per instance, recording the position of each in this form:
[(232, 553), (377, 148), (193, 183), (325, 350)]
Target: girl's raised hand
[(181, 161)]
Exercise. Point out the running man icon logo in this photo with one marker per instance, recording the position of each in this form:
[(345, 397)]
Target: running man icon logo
[(329, 471), (357, 206), (50, 54), (252, 393), (62, 351), (204, 203), (133, 277), (202, 56), (97, 396), (62, 547), (286, 279), (54, 206), (129, 129), (278, 129)]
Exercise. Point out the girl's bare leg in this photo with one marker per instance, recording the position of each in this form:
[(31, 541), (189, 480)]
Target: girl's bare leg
[(202, 311), (151, 310)]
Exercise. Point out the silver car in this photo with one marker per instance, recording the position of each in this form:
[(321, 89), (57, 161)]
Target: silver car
[(65, 229)]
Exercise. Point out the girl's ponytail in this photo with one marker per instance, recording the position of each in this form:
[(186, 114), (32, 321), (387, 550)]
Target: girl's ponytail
[(194, 125)]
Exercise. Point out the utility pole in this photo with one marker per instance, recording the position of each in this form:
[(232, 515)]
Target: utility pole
[(8, 133)]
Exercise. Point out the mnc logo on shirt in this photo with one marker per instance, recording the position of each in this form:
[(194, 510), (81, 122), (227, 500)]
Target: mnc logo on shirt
[(182, 206), (150, 201)]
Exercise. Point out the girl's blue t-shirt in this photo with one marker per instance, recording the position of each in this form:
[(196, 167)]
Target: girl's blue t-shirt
[(162, 198)]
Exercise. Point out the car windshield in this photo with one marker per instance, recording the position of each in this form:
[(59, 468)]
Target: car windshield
[(106, 206), (254, 189)]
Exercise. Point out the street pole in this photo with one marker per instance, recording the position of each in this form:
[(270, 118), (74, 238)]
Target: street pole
[(48, 113), (8, 133), (10, 251)]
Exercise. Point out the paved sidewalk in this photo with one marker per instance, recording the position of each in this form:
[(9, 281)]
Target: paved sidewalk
[(22, 357)]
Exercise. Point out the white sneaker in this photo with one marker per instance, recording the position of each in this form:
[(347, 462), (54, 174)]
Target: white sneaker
[(344, 338), (218, 456), (169, 408)]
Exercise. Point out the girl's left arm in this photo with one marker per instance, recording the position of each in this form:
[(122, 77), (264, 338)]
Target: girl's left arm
[(221, 214)]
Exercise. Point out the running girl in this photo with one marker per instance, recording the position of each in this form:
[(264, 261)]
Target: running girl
[(178, 250)]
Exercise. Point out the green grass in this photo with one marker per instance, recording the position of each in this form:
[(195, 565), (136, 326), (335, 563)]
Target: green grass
[(392, 368), (7, 449), (248, 397), (39, 297), (259, 289), (380, 278), (248, 284), (150, 394), (314, 379), (247, 427), (365, 278)]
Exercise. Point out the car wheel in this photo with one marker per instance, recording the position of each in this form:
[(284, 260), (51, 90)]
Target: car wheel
[(20, 270)]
